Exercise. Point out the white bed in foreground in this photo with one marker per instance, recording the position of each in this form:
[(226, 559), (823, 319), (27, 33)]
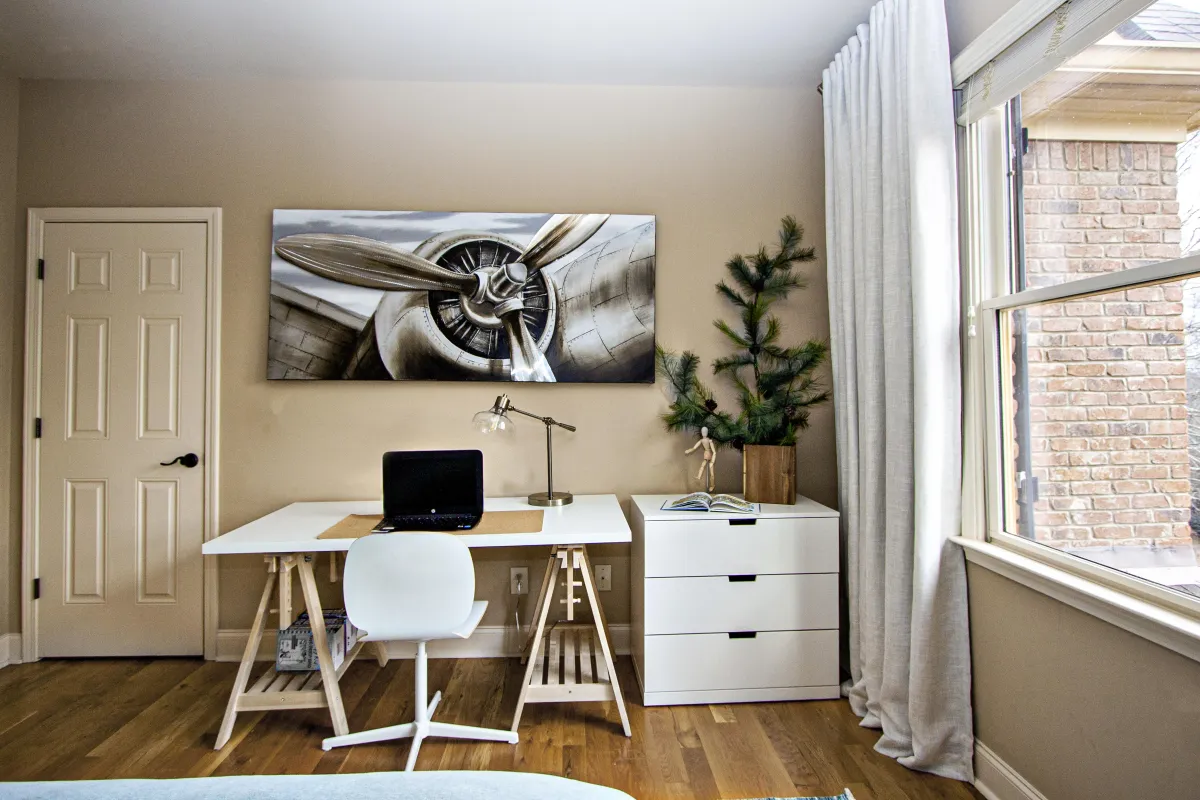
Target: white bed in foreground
[(372, 785)]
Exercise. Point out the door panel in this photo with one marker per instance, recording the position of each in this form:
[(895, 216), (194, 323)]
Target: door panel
[(87, 378), (158, 403), (158, 519), (123, 388), (86, 541)]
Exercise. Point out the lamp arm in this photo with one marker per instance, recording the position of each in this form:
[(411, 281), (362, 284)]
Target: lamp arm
[(548, 421)]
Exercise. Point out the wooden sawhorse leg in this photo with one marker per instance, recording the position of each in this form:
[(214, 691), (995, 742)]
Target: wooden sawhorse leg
[(290, 690), (248, 655), (570, 662)]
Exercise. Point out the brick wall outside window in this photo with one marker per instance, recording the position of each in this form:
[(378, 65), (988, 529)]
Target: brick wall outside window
[(1108, 376)]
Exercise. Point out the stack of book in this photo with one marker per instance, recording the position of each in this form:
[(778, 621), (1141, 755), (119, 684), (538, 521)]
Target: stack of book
[(296, 652)]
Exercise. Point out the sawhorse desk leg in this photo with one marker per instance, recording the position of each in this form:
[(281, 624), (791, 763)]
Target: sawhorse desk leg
[(569, 661), (290, 690)]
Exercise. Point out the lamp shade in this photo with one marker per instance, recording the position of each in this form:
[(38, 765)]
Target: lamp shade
[(493, 421)]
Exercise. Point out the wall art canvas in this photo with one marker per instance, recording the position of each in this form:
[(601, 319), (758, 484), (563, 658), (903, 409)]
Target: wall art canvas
[(460, 296)]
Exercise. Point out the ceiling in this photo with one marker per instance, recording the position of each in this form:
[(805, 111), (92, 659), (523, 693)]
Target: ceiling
[(649, 42)]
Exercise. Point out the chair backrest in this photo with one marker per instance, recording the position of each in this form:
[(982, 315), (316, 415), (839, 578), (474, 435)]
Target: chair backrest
[(409, 586)]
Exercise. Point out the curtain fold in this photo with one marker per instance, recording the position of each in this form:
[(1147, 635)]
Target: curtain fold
[(894, 327)]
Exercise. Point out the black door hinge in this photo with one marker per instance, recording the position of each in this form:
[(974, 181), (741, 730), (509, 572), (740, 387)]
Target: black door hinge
[(37, 588), (37, 428), (41, 269)]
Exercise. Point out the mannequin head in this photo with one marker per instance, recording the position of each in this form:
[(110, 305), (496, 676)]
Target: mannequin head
[(704, 433)]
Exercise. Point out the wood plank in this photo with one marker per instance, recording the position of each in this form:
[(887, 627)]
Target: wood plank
[(159, 718), (570, 668), (587, 666), (741, 757), (64, 734), (262, 681)]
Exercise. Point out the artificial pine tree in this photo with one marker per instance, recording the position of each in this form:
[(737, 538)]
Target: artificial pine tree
[(775, 385)]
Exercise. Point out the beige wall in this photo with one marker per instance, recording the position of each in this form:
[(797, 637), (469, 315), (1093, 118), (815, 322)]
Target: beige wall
[(1079, 707), (10, 363), (718, 167)]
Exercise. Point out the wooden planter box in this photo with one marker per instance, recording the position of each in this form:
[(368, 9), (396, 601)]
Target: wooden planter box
[(769, 473)]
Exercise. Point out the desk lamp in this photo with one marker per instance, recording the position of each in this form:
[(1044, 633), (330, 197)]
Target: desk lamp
[(496, 420)]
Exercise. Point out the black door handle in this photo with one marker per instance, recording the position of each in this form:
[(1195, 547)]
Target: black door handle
[(742, 578), (743, 635), (743, 521), (190, 460)]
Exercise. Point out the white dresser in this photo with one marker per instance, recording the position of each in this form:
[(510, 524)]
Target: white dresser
[(729, 608)]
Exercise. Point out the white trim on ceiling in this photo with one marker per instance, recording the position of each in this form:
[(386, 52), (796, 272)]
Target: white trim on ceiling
[(1000, 34)]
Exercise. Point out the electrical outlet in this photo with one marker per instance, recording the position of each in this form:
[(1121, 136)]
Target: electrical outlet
[(518, 580), (604, 577)]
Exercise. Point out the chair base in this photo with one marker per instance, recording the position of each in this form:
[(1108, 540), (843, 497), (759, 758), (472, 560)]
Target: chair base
[(418, 731)]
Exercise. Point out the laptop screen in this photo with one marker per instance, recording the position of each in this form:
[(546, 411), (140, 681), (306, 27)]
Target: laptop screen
[(432, 482)]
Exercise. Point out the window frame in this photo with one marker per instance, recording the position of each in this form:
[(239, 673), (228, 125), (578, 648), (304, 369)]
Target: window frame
[(997, 353), (1162, 615)]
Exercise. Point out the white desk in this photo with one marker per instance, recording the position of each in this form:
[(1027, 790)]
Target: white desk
[(591, 519), (287, 538)]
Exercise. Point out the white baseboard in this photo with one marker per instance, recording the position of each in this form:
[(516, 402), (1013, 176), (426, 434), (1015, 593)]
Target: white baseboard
[(488, 641), (996, 780), (10, 649)]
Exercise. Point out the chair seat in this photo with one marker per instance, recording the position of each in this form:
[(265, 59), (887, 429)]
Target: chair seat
[(468, 627), (463, 631)]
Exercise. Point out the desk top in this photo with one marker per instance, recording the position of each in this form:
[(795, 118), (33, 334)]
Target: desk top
[(591, 519)]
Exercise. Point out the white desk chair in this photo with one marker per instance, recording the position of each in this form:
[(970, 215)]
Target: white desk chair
[(414, 587)]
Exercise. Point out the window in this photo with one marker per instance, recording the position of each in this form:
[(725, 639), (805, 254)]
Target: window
[(1090, 325)]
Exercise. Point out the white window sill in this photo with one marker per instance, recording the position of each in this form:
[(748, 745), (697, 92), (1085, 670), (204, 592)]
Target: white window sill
[(1171, 629)]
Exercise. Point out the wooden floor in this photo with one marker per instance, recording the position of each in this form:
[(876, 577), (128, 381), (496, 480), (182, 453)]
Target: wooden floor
[(125, 718)]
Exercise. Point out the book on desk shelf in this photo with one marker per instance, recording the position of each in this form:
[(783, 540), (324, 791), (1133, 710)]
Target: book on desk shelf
[(703, 501), (296, 650)]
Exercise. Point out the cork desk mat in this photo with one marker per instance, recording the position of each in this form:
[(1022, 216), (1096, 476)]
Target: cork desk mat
[(356, 526)]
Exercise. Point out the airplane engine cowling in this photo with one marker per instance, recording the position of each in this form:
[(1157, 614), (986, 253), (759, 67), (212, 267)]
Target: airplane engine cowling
[(606, 320), (442, 335)]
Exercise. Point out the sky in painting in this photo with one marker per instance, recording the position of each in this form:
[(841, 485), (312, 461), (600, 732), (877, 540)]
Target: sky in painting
[(405, 230)]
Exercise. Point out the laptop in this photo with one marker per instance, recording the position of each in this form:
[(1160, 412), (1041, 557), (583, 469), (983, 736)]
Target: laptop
[(432, 490)]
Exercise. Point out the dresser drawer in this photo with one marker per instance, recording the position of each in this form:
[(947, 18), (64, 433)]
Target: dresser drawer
[(712, 661), (734, 603), (676, 548)]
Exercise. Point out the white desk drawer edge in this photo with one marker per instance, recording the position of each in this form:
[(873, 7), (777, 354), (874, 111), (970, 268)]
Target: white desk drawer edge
[(707, 661), (714, 547), (719, 605)]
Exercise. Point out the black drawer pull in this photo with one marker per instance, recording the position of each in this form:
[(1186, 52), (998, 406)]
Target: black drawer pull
[(742, 578), (743, 635), (743, 521)]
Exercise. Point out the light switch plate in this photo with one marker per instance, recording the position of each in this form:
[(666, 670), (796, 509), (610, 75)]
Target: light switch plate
[(604, 577)]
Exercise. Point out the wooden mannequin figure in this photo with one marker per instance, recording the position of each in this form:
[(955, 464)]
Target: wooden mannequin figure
[(710, 459)]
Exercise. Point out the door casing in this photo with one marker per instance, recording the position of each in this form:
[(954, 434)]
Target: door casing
[(31, 452)]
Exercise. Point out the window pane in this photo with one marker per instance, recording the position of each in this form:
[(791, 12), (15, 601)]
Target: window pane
[(1105, 431), (1111, 176)]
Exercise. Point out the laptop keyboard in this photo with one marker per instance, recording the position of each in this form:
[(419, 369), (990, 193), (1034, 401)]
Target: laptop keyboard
[(437, 522)]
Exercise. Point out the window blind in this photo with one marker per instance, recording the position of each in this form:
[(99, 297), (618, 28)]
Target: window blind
[(1064, 32)]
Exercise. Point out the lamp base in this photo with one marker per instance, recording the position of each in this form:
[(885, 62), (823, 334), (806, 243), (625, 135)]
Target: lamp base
[(556, 499)]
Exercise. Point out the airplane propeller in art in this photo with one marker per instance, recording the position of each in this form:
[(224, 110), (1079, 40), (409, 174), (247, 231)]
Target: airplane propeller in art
[(492, 296)]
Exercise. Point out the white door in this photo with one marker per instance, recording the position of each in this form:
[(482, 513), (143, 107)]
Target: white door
[(122, 389)]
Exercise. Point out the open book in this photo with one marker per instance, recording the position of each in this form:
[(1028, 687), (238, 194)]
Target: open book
[(703, 501)]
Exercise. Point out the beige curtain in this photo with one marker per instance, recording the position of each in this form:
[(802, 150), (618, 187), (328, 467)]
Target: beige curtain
[(894, 326)]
